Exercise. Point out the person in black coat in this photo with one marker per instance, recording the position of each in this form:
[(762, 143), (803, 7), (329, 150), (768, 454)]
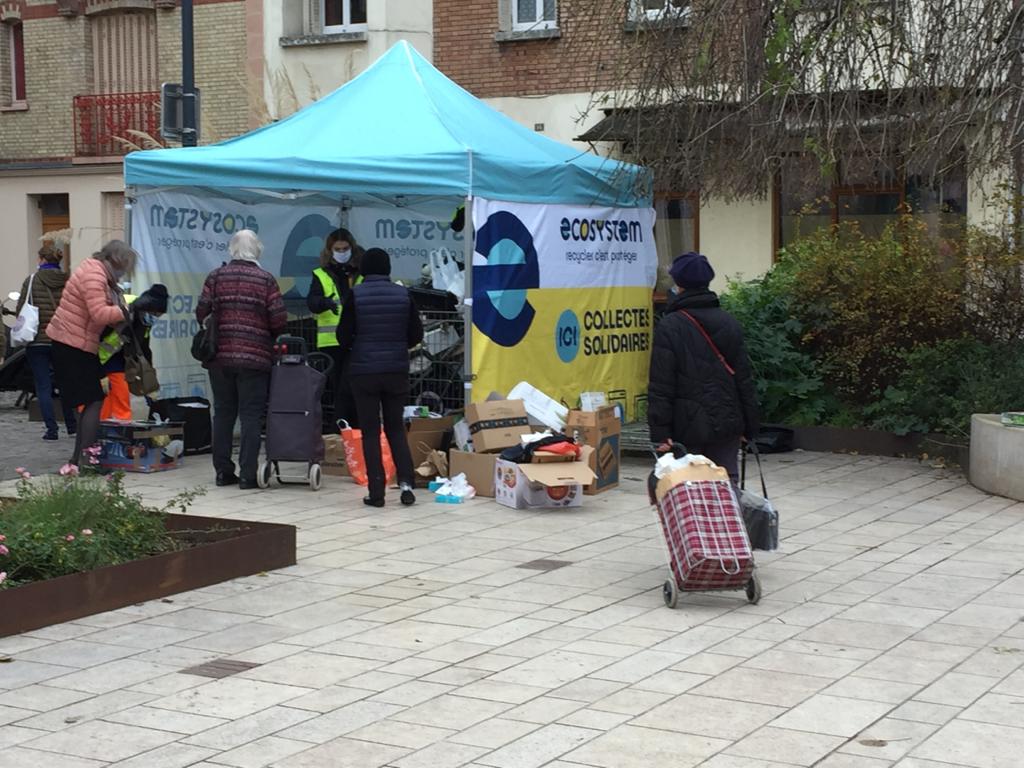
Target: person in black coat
[(379, 325), (702, 392)]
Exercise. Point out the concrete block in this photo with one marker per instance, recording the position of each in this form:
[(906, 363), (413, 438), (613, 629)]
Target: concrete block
[(997, 456)]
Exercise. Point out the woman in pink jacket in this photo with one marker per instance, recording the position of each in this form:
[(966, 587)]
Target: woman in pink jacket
[(91, 301)]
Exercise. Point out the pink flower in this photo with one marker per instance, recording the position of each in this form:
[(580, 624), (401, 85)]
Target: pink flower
[(2, 537), (69, 537), (4, 551), (69, 470), (87, 531), (23, 473), (20, 470), (3, 576)]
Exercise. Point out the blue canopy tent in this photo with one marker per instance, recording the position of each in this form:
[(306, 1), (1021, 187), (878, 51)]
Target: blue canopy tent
[(400, 129), (400, 134)]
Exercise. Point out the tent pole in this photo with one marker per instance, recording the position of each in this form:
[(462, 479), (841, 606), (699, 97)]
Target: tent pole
[(467, 303), (129, 202)]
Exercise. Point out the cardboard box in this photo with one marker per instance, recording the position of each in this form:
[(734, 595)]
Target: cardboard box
[(334, 457), (497, 424), (691, 473), (137, 446), (478, 469), (542, 486), (426, 435), (602, 431)]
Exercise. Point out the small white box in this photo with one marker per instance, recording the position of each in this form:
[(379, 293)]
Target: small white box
[(542, 486)]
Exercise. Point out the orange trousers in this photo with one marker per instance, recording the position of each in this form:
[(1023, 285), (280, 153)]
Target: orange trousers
[(118, 402)]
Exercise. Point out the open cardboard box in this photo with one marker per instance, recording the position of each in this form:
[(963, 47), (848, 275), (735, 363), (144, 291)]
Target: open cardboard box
[(477, 467), (426, 435), (691, 473), (542, 485), (602, 431), (497, 424)]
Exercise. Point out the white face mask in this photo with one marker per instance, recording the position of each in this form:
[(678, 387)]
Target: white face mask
[(342, 257)]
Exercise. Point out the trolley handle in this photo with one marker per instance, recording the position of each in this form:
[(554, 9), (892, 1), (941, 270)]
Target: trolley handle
[(678, 450)]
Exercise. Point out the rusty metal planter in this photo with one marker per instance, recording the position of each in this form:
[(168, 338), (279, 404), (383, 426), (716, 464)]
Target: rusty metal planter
[(223, 549)]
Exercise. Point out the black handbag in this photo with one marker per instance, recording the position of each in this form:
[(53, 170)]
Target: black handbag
[(759, 514), (204, 343)]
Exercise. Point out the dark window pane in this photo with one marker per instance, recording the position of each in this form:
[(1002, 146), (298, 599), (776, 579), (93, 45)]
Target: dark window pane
[(358, 12), (526, 11), (334, 13), (550, 10)]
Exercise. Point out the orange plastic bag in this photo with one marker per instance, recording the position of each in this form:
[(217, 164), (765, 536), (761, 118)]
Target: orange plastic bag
[(353, 442)]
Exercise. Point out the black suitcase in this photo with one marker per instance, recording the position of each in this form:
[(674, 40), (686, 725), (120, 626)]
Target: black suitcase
[(759, 514), (195, 413)]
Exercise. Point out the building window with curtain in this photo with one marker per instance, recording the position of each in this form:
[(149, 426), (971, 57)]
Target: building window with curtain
[(12, 65), (534, 14), (343, 16), (676, 231)]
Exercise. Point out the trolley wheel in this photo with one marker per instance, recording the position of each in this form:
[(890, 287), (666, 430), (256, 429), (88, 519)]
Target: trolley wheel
[(670, 593), (315, 477), (263, 474), (754, 589)]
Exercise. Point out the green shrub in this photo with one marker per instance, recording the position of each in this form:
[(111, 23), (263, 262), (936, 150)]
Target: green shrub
[(865, 302), (65, 525), (789, 386), (944, 383)]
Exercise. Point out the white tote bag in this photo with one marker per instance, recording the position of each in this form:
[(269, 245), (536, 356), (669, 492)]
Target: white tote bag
[(27, 325)]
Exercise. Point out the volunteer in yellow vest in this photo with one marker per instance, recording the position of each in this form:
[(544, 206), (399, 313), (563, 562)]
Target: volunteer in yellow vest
[(143, 311), (332, 281)]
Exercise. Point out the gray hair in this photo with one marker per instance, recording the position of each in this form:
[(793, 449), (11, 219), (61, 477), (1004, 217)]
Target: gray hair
[(245, 245), (119, 255)]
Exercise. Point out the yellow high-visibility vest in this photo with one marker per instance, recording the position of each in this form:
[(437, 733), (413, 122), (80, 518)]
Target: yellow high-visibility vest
[(112, 343), (327, 322)]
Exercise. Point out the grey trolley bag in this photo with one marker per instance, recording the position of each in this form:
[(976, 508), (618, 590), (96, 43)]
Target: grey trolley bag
[(295, 413)]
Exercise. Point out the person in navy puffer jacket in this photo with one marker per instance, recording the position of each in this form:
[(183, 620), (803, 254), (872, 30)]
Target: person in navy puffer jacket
[(250, 314), (379, 325)]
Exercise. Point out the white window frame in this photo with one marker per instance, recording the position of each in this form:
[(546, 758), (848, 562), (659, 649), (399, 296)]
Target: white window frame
[(346, 15), (541, 23), (666, 13)]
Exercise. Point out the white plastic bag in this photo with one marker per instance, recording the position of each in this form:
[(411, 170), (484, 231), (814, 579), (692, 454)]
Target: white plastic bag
[(457, 487), (27, 325), (668, 463), (445, 274)]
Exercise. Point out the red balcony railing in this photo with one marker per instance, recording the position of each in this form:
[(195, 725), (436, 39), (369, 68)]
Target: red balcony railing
[(101, 119)]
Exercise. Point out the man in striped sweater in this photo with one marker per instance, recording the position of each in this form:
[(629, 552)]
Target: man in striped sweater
[(250, 314)]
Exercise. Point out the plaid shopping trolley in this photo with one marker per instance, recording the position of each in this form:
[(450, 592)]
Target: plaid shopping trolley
[(708, 546)]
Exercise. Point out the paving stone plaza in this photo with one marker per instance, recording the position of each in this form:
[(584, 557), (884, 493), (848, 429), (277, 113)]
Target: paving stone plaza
[(890, 634)]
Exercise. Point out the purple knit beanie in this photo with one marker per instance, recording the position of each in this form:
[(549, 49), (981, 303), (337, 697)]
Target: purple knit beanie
[(692, 270)]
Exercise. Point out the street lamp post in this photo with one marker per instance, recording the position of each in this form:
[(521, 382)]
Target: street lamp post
[(189, 132)]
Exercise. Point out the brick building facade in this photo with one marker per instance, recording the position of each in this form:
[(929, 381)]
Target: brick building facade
[(79, 79)]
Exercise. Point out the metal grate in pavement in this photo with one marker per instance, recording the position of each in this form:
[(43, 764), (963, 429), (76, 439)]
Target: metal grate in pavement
[(545, 565), (219, 668)]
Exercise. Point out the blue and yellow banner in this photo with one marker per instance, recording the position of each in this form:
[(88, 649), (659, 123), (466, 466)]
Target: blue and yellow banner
[(562, 299)]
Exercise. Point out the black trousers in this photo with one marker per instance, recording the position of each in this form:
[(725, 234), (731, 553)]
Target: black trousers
[(344, 402), (384, 395), (238, 394)]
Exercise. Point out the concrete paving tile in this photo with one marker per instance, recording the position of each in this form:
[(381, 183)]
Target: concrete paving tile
[(21, 757), (41, 698), (345, 753), (956, 689), (87, 709), (762, 687), (399, 734), (554, 669), (230, 698), (445, 755), (630, 745), (974, 745), (169, 756), (99, 740), (455, 713), (783, 745), (260, 753), (707, 716), (104, 678), (889, 739), (539, 747), (21, 673), (243, 730), (832, 715)]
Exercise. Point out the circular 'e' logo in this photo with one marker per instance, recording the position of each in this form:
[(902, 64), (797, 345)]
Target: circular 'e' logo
[(567, 336), (500, 307)]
